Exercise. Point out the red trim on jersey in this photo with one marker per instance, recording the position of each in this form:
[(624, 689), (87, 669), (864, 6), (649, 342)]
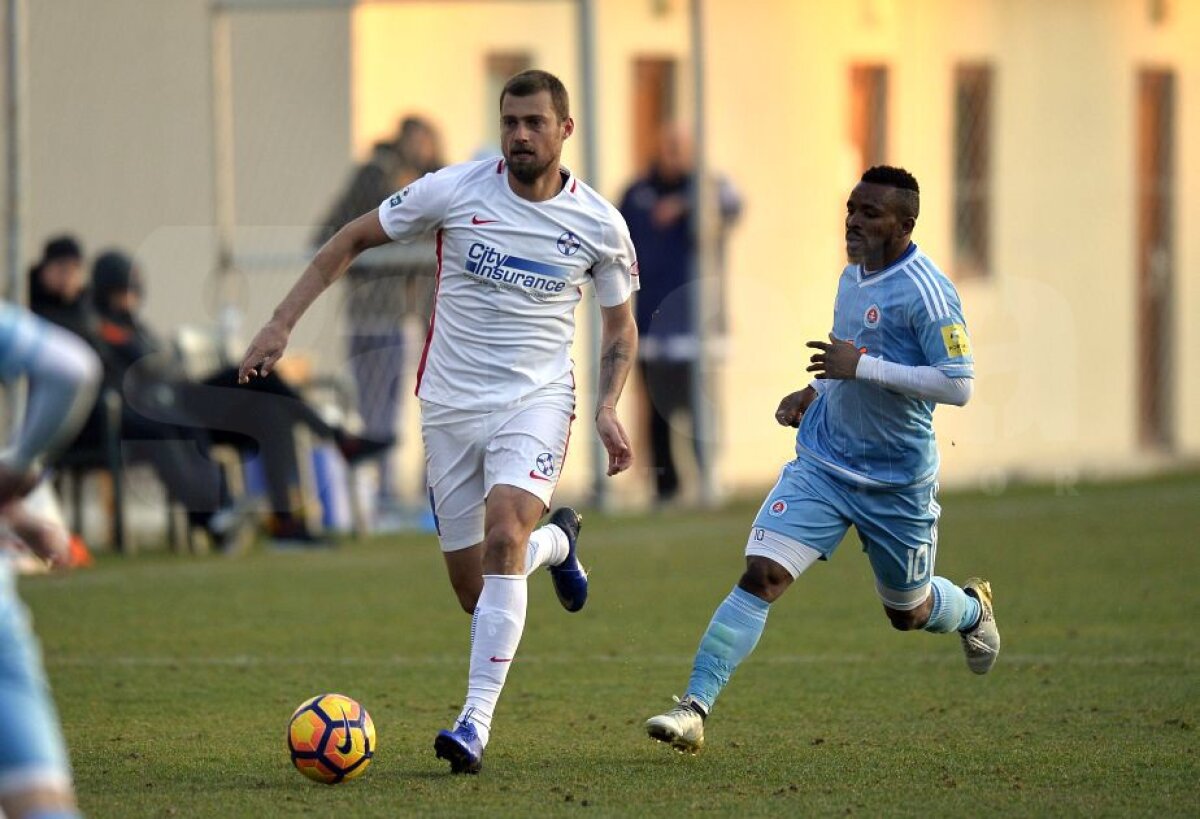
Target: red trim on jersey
[(437, 285), (574, 182), (562, 462), (500, 166)]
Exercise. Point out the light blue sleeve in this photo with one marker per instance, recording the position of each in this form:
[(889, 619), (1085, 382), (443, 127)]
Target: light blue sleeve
[(936, 314), (63, 375), (19, 337)]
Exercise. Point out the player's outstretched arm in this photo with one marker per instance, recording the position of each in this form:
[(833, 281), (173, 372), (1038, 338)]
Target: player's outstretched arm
[(618, 348), (327, 267)]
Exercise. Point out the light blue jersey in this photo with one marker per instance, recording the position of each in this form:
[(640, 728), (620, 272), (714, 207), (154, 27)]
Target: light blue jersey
[(21, 335), (63, 373), (908, 313)]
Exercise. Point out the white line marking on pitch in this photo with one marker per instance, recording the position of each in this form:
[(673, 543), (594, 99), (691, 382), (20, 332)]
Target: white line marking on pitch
[(564, 659)]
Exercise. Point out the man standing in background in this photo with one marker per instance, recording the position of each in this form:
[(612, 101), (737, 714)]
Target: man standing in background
[(381, 293), (658, 208)]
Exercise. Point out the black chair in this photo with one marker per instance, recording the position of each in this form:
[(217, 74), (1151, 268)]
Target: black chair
[(78, 462)]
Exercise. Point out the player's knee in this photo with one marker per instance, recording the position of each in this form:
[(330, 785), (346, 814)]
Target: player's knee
[(905, 620), (504, 539), (504, 549), (765, 579), (910, 619), (906, 609)]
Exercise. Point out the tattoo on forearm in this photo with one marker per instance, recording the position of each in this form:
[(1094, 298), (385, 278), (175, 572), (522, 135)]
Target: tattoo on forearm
[(614, 366)]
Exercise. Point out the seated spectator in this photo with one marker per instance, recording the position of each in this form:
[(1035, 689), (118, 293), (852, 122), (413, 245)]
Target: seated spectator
[(178, 453), (260, 420)]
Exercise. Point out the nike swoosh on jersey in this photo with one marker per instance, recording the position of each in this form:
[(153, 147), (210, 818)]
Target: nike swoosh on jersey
[(475, 220), (347, 744), (538, 477), (501, 660)]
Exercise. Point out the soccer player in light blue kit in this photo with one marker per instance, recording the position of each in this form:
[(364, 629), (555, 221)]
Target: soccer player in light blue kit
[(62, 374), (865, 455)]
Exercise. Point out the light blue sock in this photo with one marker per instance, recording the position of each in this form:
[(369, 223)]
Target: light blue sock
[(953, 608), (731, 636)]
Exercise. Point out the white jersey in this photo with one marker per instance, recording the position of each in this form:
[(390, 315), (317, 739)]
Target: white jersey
[(510, 273)]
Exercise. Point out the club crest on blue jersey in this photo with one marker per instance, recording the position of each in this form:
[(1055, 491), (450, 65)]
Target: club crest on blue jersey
[(494, 265), (871, 317), (568, 243), (777, 508), (545, 464)]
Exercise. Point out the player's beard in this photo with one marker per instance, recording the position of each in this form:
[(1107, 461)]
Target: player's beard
[(530, 170)]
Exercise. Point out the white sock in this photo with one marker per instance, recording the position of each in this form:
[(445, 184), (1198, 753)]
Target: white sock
[(495, 634), (548, 546)]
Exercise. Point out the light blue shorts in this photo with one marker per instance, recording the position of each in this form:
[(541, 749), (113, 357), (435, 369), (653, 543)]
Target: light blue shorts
[(897, 527), (32, 751)]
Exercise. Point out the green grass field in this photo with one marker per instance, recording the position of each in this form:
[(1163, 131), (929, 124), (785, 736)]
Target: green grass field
[(176, 676)]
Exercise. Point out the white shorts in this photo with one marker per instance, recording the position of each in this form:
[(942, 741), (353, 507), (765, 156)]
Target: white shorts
[(468, 452)]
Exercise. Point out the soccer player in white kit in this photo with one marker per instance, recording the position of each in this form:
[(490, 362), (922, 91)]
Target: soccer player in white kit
[(517, 238)]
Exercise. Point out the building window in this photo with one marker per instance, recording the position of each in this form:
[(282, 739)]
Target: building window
[(654, 106), (972, 169), (868, 114), (499, 67)]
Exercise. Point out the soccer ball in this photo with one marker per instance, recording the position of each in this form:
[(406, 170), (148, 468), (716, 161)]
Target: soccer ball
[(331, 738)]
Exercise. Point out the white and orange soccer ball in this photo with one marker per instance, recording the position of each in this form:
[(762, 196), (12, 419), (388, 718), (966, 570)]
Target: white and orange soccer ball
[(331, 738)]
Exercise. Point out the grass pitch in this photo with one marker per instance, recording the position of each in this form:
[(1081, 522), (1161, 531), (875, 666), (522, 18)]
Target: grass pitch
[(175, 677)]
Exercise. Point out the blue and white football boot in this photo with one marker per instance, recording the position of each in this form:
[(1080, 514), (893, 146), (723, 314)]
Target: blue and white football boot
[(462, 747), (570, 580)]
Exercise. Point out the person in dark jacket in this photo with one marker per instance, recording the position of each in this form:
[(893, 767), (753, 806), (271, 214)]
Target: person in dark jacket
[(177, 451), (658, 209)]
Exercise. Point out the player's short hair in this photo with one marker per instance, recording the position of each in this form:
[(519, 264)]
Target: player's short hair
[(534, 80), (908, 191)]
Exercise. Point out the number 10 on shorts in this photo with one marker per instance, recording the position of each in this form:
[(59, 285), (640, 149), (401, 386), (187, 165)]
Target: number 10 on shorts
[(920, 561)]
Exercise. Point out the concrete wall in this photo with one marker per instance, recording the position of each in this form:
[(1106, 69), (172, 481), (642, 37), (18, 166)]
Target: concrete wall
[(121, 145)]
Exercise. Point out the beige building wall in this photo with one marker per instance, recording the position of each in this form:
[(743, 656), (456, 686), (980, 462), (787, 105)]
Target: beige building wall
[(122, 154), (1054, 326)]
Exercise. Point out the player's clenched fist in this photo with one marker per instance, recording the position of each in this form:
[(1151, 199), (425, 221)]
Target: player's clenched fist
[(793, 406)]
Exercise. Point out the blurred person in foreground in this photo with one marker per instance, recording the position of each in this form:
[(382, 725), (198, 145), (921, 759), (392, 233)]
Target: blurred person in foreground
[(380, 294), (519, 236), (62, 375), (659, 210), (866, 455), (262, 420)]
